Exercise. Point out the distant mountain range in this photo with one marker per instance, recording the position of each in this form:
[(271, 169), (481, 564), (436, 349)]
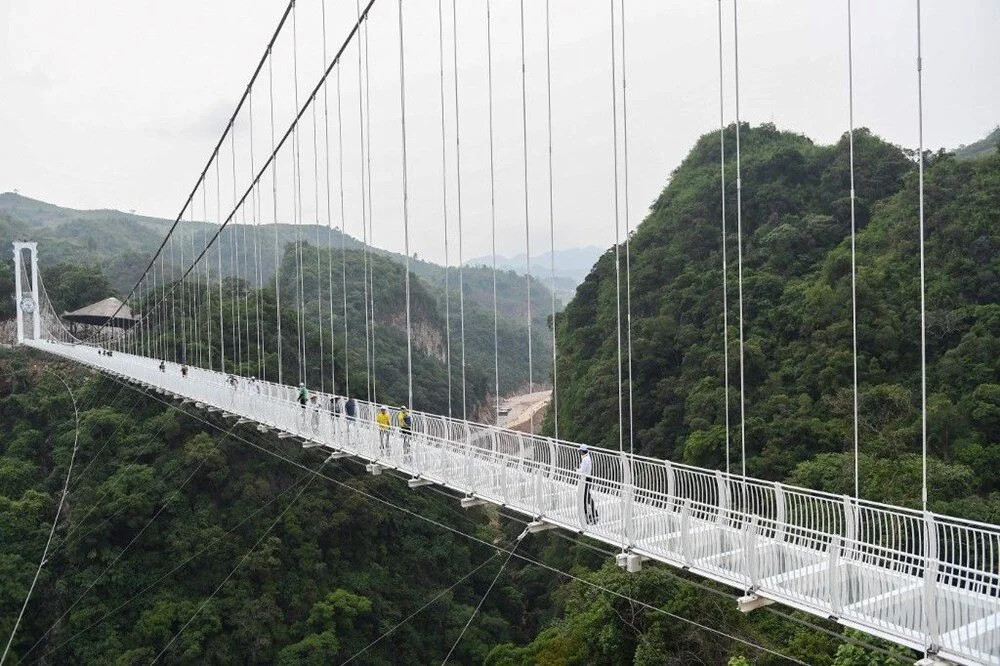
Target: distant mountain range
[(571, 266)]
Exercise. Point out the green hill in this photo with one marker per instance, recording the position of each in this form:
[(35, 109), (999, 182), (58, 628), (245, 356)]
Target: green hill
[(796, 222), (982, 148)]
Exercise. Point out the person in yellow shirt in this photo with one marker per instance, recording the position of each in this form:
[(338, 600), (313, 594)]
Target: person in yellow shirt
[(382, 419)]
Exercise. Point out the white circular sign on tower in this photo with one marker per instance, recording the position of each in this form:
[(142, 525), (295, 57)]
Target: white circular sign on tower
[(28, 304)]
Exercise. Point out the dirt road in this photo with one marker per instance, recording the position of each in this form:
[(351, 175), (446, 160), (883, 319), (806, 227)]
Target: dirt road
[(524, 409)]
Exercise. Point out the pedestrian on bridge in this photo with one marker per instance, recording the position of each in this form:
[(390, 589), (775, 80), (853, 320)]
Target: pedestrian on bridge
[(405, 423), (350, 409), (382, 418), (314, 405), (586, 478), (303, 395)]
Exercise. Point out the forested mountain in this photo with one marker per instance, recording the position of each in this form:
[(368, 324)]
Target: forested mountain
[(797, 304), (122, 244)]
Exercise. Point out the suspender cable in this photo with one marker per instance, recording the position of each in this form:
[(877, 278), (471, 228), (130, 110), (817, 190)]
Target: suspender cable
[(444, 204), (173, 303), (552, 232), (319, 290), (618, 278), (458, 191), (739, 240), (208, 281), (258, 273), (406, 211), (923, 290), (329, 213), (235, 269), (297, 183), (364, 219), (218, 247), (371, 216), (725, 262), (279, 347), (854, 274), (493, 210), (527, 227), (628, 233), (343, 232)]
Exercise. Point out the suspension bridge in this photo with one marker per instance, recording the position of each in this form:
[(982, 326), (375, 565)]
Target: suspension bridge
[(917, 578)]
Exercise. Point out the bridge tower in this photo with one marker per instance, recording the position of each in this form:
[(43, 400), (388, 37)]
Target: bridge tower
[(27, 300)]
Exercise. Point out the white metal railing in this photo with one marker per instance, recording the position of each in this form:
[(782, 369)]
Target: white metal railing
[(922, 580)]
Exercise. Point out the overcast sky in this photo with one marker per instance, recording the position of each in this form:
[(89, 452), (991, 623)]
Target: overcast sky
[(118, 104)]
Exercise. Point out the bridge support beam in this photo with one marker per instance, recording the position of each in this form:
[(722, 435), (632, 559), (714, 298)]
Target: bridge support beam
[(416, 482), (630, 562), (374, 469), (934, 660), (337, 455), (309, 444), (752, 602), (469, 501), (536, 526)]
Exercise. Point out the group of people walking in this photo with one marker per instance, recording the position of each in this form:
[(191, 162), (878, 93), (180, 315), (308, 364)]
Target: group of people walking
[(402, 420)]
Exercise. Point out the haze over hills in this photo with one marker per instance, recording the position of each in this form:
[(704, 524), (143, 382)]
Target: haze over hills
[(571, 266)]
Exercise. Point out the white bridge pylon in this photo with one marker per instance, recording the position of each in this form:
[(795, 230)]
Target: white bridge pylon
[(922, 580)]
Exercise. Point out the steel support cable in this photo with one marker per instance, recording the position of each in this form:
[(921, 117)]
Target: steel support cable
[(258, 272), (458, 532), (195, 292), (930, 532), (305, 487), (329, 212), (371, 208), (552, 231), (55, 520), (279, 346), (493, 213), (854, 264), (444, 205), (319, 269), (173, 303), (297, 190), (482, 599), (234, 269), (364, 212), (739, 243), (318, 473), (272, 157), (343, 232), (215, 151), (725, 261), (412, 615), (628, 252), (208, 281), (527, 225), (618, 268), (121, 553), (406, 212), (218, 247), (171, 571), (458, 192), (923, 287)]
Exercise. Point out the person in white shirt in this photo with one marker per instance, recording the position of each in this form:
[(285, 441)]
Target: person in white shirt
[(585, 470)]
